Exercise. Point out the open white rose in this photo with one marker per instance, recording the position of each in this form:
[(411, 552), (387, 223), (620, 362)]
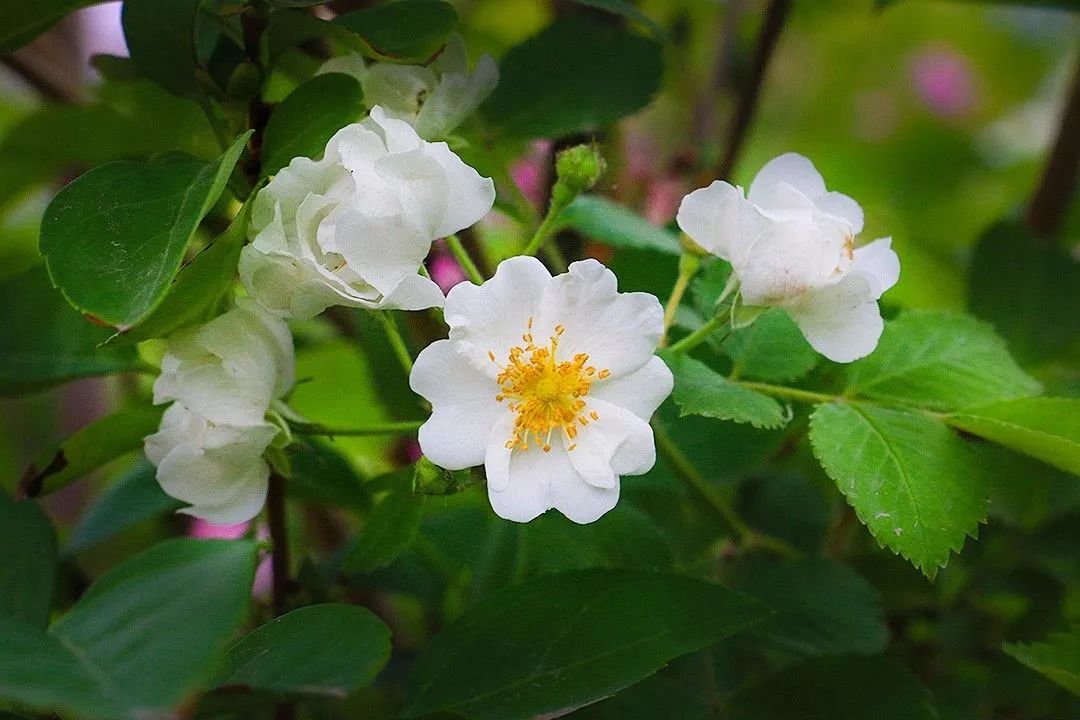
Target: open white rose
[(221, 377), (434, 98), (791, 244), (354, 227), (547, 382)]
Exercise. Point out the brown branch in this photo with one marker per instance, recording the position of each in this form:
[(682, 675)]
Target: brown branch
[(35, 74), (772, 26), (279, 540), (1058, 182)]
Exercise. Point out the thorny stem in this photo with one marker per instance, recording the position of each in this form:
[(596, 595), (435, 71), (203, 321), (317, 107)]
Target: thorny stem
[(396, 341), (772, 26), (387, 428), (747, 536), (688, 267), (462, 256), (1058, 182)]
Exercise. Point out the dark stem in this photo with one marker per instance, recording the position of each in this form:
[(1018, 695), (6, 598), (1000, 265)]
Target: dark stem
[(47, 85), (775, 16), (279, 540), (1047, 209), (253, 22)]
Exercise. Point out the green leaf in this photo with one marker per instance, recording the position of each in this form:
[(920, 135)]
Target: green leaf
[(1063, 4), (408, 31), (562, 641), (45, 342), (306, 120), (1058, 658), (28, 572), (1042, 427), (114, 237), (627, 10), (321, 474), (133, 497), (912, 482), (601, 219), (575, 76), (331, 650), (838, 688), (701, 391), (160, 37), (138, 642), (822, 608), (390, 528), (22, 22), (939, 361), (196, 294), (91, 447), (1026, 287), (772, 348)]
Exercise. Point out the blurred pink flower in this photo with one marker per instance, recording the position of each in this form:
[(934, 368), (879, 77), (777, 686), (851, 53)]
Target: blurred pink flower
[(202, 529), (944, 81), (529, 172), (444, 269), (412, 450), (662, 199)]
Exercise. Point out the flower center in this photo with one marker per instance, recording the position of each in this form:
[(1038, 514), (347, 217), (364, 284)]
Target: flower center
[(544, 393)]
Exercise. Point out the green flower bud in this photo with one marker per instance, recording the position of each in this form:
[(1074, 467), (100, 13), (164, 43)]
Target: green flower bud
[(577, 169), (430, 479)]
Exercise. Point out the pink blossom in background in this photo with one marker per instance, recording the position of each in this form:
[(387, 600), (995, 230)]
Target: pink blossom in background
[(444, 269), (202, 529), (530, 172), (662, 199), (944, 81), (102, 33), (264, 577), (641, 152)]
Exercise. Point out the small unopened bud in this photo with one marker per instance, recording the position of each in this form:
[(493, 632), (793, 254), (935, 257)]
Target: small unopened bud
[(577, 169)]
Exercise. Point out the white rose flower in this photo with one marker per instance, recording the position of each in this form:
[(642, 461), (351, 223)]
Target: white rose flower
[(221, 377), (217, 468), (547, 382), (435, 98), (354, 227), (791, 244)]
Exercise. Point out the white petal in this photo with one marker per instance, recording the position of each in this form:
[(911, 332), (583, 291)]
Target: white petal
[(245, 504), (178, 426), (456, 97), (841, 206), (618, 331), (382, 250), (619, 443), (578, 500), (721, 220), (464, 408), (841, 321), (397, 88), (421, 185), (492, 317), (497, 458), (641, 392), (471, 195), (794, 170), (791, 258), (414, 292), (398, 135), (879, 263)]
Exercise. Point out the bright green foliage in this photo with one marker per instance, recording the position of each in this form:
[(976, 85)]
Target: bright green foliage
[(329, 650), (22, 22), (45, 342), (199, 287), (545, 80), (139, 640), (160, 36), (914, 484), (772, 348), (28, 573), (626, 9), (941, 362), (1042, 427), (598, 218), (114, 237), (390, 527), (564, 640), (822, 608), (410, 31), (840, 688), (135, 496), (91, 447), (700, 390), (1058, 658), (303, 123), (1034, 305)]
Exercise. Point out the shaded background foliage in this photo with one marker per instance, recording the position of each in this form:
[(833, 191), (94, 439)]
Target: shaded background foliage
[(937, 116)]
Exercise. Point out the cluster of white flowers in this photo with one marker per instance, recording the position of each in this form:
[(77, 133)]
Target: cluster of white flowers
[(791, 244), (548, 382)]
